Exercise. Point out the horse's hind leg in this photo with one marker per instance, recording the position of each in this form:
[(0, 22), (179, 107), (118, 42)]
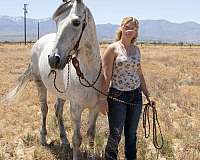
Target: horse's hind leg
[(93, 113), (42, 92), (59, 115)]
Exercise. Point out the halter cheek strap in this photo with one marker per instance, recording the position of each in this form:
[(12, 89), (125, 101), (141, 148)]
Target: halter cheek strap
[(83, 28), (76, 47)]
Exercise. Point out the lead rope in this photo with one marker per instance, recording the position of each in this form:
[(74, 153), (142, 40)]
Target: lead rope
[(145, 115), (146, 108), (75, 63), (146, 121), (55, 75)]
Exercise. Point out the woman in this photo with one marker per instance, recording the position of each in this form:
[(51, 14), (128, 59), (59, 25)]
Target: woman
[(123, 79)]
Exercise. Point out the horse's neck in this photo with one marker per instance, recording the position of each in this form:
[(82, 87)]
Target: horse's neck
[(89, 57), (89, 60)]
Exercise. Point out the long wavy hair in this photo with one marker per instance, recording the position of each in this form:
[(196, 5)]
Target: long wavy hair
[(124, 22)]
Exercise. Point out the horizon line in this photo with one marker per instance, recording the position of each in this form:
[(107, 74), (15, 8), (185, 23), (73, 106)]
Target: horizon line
[(107, 22)]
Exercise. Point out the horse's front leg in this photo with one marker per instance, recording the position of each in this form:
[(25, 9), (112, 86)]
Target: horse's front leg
[(76, 111), (42, 93), (93, 114), (59, 115)]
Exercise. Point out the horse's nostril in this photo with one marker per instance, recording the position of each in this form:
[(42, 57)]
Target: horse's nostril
[(57, 59), (54, 60)]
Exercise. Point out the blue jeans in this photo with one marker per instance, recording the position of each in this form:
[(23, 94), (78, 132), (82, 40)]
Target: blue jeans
[(122, 116)]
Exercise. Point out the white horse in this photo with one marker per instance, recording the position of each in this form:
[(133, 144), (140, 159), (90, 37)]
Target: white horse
[(76, 35)]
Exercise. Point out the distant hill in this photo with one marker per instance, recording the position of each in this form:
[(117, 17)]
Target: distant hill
[(163, 30), (11, 29)]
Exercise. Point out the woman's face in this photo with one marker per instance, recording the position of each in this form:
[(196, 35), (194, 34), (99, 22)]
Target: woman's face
[(129, 30)]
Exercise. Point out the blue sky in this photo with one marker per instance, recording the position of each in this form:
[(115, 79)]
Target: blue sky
[(112, 11)]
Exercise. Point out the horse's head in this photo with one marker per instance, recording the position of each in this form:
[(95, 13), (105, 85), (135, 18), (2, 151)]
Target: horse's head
[(71, 20)]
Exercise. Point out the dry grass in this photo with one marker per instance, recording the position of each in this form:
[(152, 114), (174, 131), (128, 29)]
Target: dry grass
[(172, 74)]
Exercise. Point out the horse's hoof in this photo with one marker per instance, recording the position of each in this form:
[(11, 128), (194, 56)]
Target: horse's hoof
[(43, 143), (91, 157), (51, 144)]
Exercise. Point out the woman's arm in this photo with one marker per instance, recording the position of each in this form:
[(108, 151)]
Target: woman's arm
[(142, 80), (143, 83), (107, 66)]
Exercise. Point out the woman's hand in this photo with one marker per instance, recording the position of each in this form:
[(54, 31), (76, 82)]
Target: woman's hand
[(103, 106), (151, 102), (148, 98)]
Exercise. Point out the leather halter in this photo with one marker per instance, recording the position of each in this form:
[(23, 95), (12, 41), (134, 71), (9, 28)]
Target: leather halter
[(76, 46)]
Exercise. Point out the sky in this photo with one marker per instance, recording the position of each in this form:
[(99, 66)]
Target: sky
[(112, 11)]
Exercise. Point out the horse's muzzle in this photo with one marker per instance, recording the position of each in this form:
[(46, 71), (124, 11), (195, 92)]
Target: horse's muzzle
[(55, 61)]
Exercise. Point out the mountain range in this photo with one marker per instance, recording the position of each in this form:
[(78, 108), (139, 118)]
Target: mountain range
[(12, 29)]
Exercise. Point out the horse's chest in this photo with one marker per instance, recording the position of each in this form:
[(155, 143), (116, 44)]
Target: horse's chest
[(67, 83)]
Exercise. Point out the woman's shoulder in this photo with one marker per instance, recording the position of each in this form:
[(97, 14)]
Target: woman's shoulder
[(112, 48), (113, 45)]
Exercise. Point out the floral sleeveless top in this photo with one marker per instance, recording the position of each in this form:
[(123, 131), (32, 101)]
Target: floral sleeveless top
[(125, 76)]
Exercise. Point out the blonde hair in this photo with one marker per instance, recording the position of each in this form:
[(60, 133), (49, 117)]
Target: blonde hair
[(124, 22)]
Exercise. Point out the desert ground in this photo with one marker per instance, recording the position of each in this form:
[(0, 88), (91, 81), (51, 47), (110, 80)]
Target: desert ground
[(172, 74)]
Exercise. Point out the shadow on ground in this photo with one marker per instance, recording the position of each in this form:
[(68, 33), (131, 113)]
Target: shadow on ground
[(66, 153)]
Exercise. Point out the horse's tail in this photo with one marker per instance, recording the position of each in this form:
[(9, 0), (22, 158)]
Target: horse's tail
[(21, 84)]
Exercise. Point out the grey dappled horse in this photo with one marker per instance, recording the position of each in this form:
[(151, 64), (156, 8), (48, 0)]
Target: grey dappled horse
[(75, 32)]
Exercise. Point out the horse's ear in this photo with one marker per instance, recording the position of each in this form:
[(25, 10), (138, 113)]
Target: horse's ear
[(62, 8), (66, 1), (79, 1)]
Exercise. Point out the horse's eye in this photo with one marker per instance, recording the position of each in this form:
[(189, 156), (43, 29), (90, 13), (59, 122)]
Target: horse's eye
[(76, 22)]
